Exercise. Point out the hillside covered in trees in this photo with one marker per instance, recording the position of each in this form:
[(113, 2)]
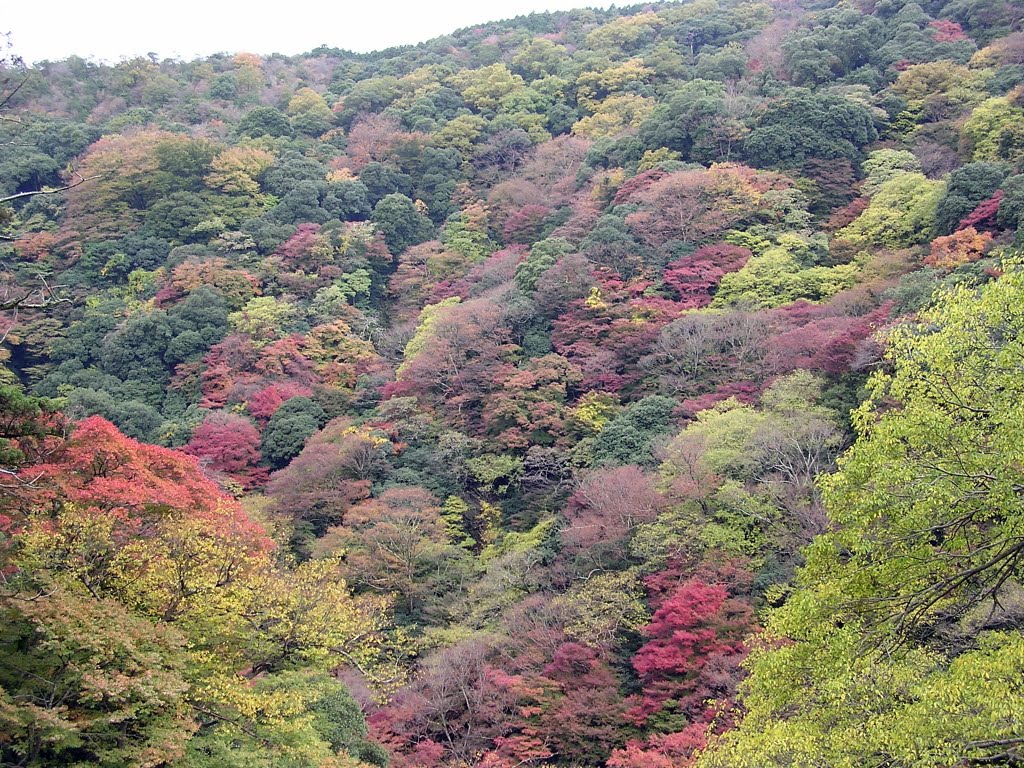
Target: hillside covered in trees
[(639, 388)]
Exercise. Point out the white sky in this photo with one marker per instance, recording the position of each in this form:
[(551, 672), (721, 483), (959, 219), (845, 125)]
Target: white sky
[(109, 30)]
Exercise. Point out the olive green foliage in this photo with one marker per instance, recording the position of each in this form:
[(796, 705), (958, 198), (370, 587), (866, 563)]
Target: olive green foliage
[(23, 423), (543, 256), (264, 121), (121, 682), (883, 165), (331, 724), (782, 274), (967, 186)]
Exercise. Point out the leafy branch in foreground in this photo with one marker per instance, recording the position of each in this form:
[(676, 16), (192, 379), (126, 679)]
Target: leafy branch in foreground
[(900, 643)]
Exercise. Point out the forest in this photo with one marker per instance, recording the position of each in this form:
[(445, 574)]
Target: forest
[(626, 388)]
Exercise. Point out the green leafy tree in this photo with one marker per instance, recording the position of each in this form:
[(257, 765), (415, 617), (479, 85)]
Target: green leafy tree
[(690, 122), (495, 472), (801, 125), (966, 187), (86, 682), (543, 256), (309, 113), (629, 437), (927, 508), (466, 232), (994, 130), (320, 724), (401, 223), (484, 88), (1011, 207), (781, 275), (289, 428), (264, 318), (838, 41), (902, 212), (883, 165)]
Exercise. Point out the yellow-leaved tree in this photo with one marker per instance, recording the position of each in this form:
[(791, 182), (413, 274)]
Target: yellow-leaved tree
[(146, 620)]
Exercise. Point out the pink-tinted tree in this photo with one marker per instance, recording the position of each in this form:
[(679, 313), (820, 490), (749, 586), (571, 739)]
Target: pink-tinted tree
[(463, 353), (451, 713), (304, 249), (334, 471), (607, 333), (530, 406), (262, 403), (946, 31), (229, 444), (225, 364), (608, 505), (494, 272), (525, 225), (371, 139), (570, 278), (984, 216), (412, 282), (553, 167), (638, 184), (573, 709), (285, 359), (830, 338), (670, 750), (695, 277), (695, 205)]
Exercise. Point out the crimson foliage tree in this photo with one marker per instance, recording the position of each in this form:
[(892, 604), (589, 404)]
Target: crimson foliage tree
[(229, 444), (693, 653)]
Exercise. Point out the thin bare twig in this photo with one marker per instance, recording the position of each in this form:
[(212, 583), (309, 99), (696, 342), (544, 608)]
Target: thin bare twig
[(79, 180)]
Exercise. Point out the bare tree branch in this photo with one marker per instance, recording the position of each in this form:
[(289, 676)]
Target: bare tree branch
[(7, 98), (47, 296), (78, 181)]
